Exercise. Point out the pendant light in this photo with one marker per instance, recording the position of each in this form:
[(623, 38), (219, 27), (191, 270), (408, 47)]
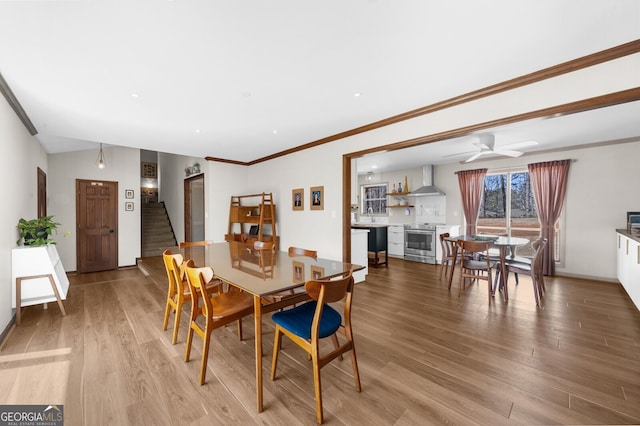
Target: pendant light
[(101, 162)]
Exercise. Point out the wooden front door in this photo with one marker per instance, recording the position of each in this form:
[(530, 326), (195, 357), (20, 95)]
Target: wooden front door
[(97, 225)]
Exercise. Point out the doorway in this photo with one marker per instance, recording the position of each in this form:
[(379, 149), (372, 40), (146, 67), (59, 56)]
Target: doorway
[(97, 225), (194, 208), (42, 193)]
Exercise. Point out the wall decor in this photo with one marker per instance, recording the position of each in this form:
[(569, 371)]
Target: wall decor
[(128, 193), (149, 170), (128, 206), (297, 199), (317, 197)]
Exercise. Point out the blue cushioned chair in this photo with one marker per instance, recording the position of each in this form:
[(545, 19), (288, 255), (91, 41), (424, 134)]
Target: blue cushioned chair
[(306, 324)]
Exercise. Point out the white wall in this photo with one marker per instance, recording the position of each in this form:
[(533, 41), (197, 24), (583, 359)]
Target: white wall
[(21, 156), (123, 166), (602, 187)]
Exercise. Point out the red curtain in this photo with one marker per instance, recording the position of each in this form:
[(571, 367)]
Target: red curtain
[(549, 184), (471, 187)]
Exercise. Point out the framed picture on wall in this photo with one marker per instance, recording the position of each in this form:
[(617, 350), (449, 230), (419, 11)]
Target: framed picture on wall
[(298, 272), (317, 272), (317, 197), (297, 199)]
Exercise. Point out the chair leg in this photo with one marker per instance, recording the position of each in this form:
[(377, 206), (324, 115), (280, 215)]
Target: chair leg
[(336, 344), (318, 388), (276, 348), (167, 311), (240, 329), (176, 324), (356, 374), (187, 346), (205, 356)]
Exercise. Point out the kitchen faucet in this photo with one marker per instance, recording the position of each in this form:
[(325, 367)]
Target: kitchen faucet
[(370, 213)]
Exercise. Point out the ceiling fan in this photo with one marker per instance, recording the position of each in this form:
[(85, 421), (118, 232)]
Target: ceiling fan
[(487, 146)]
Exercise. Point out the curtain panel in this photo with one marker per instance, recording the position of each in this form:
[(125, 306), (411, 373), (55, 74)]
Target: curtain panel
[(549, 184), (471, 184)]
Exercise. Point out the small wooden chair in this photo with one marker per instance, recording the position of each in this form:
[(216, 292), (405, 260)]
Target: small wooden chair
[(311, 321), (528, 266), (179, 292), (447, 254), (217, 309), (475, 263)]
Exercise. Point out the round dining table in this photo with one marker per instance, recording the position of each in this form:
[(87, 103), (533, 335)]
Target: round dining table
[(503, 243)]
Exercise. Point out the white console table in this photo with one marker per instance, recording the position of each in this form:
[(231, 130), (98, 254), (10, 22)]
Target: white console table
[(38, 277)]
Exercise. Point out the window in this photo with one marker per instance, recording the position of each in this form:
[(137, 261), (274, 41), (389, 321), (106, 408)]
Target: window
[(374, 199), (508, 208)]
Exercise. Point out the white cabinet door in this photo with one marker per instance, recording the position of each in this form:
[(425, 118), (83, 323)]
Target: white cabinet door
[(395, 241), (628, 263)]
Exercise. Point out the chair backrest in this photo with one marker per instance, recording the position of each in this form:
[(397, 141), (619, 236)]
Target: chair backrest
[(266, 251), (184, 244), (197, 279), (447, 246), (297, 251), (330, 291), (538, 245), (175, 275), (474, 246), (263, 245)]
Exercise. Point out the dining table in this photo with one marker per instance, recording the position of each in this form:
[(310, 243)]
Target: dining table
[(272, 277), (504, 244)]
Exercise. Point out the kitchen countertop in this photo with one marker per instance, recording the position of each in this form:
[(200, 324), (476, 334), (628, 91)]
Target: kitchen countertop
[(626, 232), (369, 225)]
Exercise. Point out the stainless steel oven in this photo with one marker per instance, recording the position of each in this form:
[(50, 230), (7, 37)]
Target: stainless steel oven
[(420, 243)]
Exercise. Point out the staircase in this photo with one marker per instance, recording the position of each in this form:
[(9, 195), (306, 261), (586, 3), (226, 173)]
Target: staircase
[(157, 233)]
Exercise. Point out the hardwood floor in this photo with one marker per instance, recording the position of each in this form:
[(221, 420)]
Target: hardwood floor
[(425, 357)]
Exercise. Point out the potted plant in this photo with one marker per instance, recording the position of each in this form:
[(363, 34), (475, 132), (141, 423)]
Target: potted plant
[(36, 232)]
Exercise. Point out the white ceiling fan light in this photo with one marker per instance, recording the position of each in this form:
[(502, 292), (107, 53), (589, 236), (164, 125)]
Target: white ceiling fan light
[(486, 143)]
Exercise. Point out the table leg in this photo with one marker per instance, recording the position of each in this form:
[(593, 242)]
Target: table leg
[(257, 317)]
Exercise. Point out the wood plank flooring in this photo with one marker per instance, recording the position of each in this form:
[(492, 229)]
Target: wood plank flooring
[(425, 357)]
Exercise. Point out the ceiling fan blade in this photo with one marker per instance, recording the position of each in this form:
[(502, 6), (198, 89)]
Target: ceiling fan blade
[(508, 152), (474, 156)]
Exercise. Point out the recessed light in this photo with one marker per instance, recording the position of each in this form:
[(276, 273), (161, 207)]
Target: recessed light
[(357, 94), (135, 95), (197, 130), (275, 132)]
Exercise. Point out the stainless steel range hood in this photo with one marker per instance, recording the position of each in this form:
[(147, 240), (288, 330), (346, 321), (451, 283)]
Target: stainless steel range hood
[(427, 187)]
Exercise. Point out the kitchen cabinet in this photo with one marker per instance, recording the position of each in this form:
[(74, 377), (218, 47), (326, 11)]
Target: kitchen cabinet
[(359, 252), (395, 240), (628, 264), (376, 243)]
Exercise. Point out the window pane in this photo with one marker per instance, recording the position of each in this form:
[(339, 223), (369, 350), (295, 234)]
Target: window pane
[(374, 197), (493, 208)]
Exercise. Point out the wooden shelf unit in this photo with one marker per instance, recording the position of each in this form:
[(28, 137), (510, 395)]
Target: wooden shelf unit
[(399, 195), (250, 210)]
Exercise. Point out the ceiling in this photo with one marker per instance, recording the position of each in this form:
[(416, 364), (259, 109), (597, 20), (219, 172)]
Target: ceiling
[(242, 80)]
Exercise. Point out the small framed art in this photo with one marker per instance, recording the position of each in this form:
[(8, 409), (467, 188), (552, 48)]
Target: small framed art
[(128, 193), (297, 199), (128, 206), (317, 197)]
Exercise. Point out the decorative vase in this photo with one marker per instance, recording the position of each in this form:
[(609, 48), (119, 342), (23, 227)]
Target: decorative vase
[(406, 184), (399, 186)]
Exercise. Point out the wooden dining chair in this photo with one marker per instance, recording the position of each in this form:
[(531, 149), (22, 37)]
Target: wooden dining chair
[(475, 263), (308, 323), (217, 309), (448, 247), (528, 266), (178, 292)]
